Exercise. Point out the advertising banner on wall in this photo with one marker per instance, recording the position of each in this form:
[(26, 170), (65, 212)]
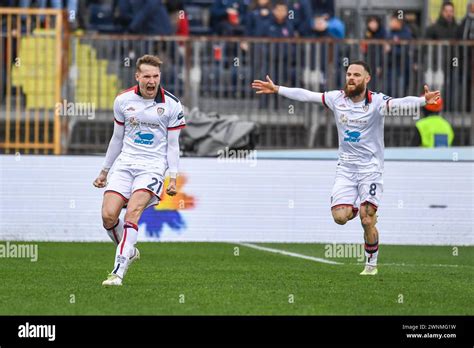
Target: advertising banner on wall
[(267, 200)]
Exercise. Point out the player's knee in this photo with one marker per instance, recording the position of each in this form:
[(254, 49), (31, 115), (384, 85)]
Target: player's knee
[(108, 220), (340, 220), (109, 216), (367, 221)]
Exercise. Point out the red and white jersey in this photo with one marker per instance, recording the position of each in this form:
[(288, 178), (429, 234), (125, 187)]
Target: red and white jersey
[(147, 122), (360, 128)]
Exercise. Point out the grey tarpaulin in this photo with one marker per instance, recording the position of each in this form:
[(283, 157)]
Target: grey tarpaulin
[(205, 134)]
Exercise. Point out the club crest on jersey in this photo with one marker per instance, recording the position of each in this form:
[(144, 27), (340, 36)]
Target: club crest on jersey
[(343, 119), (133, 121), (365, 108), (144, 139), (352, 136), (160, 110)]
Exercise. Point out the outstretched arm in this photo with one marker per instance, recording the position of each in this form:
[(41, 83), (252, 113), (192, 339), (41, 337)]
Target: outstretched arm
[(428, 98), (299, 94)]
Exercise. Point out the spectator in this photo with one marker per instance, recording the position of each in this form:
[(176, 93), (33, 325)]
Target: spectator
[(374, 52), (433, 129), (259, 13), (301, 14), (279, 24), (277, 58), (466, 32), (375, 30), (411, 22), (322, 27), (323, 8), (398, 56), (325, 21), (144, 17), (398, 29), (178, 17), (228, 17), (445, 27), (466, 28)]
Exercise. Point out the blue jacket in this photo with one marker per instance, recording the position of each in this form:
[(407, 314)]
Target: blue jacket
[(145, 17), (403, 34), (255, 21), (271, 28), (303, 15)]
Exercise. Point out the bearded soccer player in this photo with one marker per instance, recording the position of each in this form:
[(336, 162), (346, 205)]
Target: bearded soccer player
[(359, 117), (144, 145)]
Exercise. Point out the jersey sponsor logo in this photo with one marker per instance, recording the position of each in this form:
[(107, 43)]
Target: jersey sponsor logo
[(359, 121), (352, 136), (144, 139), (160, 110), (135, 122), (131, 108)]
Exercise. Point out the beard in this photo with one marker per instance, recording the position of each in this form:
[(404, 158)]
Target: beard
[(359, 89)]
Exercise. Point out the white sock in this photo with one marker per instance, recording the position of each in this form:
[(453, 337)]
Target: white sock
[(125, 249), (371, 253), (116, 232)]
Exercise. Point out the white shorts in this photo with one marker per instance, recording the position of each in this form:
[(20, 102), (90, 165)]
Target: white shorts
[(128, 178), (357, 188)]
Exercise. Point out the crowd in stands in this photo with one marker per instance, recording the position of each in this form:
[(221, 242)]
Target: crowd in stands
[(254, 18)]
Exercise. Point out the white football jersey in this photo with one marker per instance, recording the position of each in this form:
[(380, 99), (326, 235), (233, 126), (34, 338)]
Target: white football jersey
[(360, 128), (147, 122)]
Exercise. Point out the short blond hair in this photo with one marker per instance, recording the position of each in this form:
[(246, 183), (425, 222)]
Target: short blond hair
[(149, 60)]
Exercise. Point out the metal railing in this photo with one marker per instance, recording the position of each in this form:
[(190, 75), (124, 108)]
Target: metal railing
[(32, 43), (214, 74)]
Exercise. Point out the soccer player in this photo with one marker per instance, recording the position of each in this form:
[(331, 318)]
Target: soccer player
[(144, 145), (359, 117)]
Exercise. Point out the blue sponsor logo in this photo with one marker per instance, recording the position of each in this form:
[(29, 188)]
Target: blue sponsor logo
[(144, 139), (352, 137)]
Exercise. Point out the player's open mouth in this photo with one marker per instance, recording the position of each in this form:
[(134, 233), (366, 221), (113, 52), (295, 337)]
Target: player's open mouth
[(150, 89)]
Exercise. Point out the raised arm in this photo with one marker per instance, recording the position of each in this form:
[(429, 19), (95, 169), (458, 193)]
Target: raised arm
[(299, 94), (428, 98)]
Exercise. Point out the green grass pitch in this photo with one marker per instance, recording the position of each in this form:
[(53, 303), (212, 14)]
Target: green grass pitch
[(209, 279)]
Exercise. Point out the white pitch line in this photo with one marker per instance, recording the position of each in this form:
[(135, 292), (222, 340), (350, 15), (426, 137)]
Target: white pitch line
[(287, 253), (413, 265), (317, 259)]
